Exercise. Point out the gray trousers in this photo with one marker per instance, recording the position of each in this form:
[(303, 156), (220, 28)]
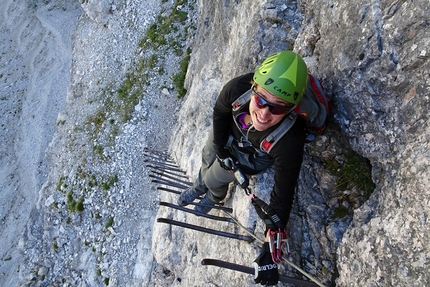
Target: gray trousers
[(215, 179), (212, 177)]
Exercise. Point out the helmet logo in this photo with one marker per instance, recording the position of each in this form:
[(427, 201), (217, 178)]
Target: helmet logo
[(268, 81)]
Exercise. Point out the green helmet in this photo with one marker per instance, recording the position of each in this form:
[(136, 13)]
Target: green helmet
[(283, 74)]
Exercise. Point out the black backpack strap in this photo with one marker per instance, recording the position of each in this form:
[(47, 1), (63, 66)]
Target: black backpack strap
[(240, 101), (269, 142)]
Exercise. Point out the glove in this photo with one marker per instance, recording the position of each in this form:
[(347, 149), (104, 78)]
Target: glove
[(266, 271), (225, 158), (268, 214)]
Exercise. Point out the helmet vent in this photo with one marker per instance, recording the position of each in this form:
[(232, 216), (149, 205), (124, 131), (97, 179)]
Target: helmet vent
[(283, 74)]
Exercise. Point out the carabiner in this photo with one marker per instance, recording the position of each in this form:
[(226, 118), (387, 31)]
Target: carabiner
[(276, 242)]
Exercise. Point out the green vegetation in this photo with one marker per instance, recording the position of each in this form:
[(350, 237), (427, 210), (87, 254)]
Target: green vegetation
[(61, 122), (98, 149), (165, 33), (118, 104), (325, 270), (179, 78), (113, 106), (152, 61), (340, 212), (92, 182), (355, 172), (74, 205), (158, 33), (110, 182), (129, 97), (97, 120), (83, 182), (61, 185), (110, 222), (55, 244)]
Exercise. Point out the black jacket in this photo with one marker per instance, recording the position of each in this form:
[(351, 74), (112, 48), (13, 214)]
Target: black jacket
[(287, 153)]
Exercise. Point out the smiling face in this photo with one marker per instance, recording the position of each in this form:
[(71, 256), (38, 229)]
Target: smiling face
[(262, 118)]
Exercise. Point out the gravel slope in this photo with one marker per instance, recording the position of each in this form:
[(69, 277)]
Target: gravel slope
[(34, 72), (58, 66)]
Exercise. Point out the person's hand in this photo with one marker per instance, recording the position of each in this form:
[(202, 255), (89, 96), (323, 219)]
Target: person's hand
[(225, 158), (266, 271)]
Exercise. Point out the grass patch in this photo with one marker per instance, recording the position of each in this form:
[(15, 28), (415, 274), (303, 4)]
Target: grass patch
[(110, 182), (93, 181), (80, 204), (74, 205), (169, 33), (157, 33), (98, 149), (110, 222), (61, 185), (129, 96), (340, 212), (55, 244), (61, 122), (152, 61), (119, 104), (179, 78), (353, 179), (354, 172), (97, 120)]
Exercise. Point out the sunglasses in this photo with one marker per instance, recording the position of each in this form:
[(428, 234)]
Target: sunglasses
[(274, 109)]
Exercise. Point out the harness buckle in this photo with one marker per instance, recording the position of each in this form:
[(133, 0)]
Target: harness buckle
[(244, 142)]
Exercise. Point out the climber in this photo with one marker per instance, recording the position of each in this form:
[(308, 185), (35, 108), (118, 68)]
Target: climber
[(274, 90)]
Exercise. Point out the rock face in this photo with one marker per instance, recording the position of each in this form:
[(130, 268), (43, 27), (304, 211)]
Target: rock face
[(380, 80), (85, 214), (374, 59)]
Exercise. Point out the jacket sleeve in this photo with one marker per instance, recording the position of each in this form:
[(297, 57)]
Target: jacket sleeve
[(288, 155), (222, 112)]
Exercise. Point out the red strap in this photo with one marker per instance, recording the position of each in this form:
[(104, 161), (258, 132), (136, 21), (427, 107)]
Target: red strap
[(266, 145), (318, 90)]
